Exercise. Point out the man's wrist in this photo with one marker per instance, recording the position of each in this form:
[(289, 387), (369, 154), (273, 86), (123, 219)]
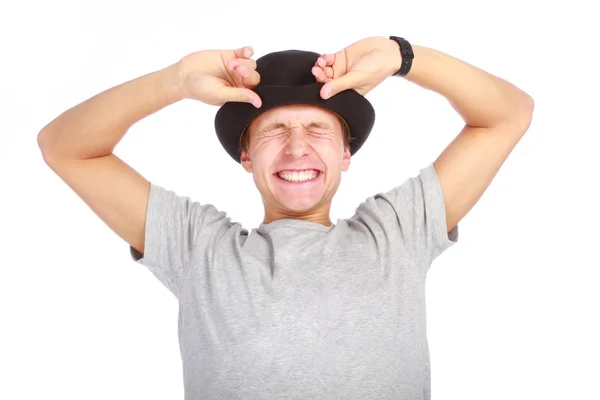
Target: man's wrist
[(395, 56), (171, 83)]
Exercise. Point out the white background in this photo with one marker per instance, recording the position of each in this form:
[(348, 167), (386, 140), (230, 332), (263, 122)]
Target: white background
[(512, 309)]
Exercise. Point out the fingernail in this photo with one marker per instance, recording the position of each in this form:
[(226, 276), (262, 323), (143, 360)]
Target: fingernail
[(327, 92)]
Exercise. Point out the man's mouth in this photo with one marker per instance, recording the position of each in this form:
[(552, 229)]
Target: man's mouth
[(298, 176)]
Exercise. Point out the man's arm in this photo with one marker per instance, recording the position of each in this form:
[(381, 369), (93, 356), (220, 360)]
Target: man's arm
[(496, 113), (78, 146)]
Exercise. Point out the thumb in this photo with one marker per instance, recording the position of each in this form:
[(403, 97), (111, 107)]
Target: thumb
[(351, 80), (243, 95)]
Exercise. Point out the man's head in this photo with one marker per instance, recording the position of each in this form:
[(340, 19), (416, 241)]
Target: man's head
[(296, 154)]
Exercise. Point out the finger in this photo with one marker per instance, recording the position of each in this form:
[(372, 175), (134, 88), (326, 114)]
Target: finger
[(350, 80), (252, 80), (235, 62), (244, 52), (237, 72), (241, 69), (321, 62), (328, 72), (319, 74), (248, 62), (243, 95), (328, 59), (325, 62)]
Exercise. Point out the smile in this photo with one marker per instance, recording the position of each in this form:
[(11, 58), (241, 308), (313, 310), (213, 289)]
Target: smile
[(298, 176)]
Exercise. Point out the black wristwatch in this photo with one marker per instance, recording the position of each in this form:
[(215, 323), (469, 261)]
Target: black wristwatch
[(407, 55)]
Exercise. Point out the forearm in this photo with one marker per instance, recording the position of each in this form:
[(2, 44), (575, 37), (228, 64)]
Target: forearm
[(94, 127), (482, 99)]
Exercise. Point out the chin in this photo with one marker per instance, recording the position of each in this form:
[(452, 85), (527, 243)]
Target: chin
[(297, 205)]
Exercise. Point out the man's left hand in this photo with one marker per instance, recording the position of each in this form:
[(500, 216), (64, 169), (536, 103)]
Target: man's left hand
[(361, 66)]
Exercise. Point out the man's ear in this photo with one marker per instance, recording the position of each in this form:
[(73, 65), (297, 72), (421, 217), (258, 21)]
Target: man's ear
[(245, 160), (346, 160)]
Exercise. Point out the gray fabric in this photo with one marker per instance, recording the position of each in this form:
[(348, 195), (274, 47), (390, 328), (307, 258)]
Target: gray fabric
[(298, 310)]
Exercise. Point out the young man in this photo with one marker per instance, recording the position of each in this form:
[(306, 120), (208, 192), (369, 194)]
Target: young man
[(299, 307)]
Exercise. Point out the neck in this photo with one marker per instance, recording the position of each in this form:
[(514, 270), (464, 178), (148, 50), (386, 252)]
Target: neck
[(318, 217)]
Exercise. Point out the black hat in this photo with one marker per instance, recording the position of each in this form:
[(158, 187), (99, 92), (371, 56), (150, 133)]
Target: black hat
[(286, 78)]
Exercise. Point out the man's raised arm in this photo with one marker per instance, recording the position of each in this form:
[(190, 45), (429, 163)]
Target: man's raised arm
[(78, 145)]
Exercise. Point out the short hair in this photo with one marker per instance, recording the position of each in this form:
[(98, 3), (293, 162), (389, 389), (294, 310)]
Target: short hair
[(245, 137)]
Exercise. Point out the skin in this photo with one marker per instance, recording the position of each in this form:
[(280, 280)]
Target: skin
[(296, 137)]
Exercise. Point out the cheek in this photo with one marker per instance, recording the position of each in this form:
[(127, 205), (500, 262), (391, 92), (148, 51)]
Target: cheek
[(331, 151), (261, 162)]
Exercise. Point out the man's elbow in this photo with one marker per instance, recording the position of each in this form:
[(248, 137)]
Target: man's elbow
[(525, 110), (521, 115), (43, 142)]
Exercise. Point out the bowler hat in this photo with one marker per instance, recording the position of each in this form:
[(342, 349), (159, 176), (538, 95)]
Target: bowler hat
[(286, 78)]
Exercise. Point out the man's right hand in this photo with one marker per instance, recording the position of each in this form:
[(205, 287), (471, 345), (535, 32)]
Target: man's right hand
[(219, 76)]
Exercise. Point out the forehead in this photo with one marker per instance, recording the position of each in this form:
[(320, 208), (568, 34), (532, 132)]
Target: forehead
[(296, 114)]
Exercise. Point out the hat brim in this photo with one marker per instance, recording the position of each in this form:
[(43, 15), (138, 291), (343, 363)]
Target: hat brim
[(233, 117)]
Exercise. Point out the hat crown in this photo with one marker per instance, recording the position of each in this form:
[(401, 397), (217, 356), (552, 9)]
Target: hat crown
[(287, 68)]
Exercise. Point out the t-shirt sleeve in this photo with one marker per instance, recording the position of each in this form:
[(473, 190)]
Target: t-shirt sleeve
[(174, 225), (413, 213)]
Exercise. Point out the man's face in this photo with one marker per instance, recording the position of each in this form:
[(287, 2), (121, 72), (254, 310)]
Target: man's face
[(296, 155)]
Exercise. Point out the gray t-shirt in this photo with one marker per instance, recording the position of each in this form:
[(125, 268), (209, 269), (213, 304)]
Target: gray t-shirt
[(297, 310)]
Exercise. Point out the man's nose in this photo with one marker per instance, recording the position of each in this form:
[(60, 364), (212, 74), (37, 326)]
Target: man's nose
[(297, 144)]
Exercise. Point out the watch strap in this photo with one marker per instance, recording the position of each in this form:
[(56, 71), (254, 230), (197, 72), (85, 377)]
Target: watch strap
[(407, 55)]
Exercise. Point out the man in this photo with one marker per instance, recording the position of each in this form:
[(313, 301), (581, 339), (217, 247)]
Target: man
[(299, 307)]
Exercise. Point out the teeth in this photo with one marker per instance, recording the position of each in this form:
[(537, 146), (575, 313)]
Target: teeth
[(298, 176)]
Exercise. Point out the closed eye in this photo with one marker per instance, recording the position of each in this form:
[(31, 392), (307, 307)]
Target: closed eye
[(320, 131), (274, 132)]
